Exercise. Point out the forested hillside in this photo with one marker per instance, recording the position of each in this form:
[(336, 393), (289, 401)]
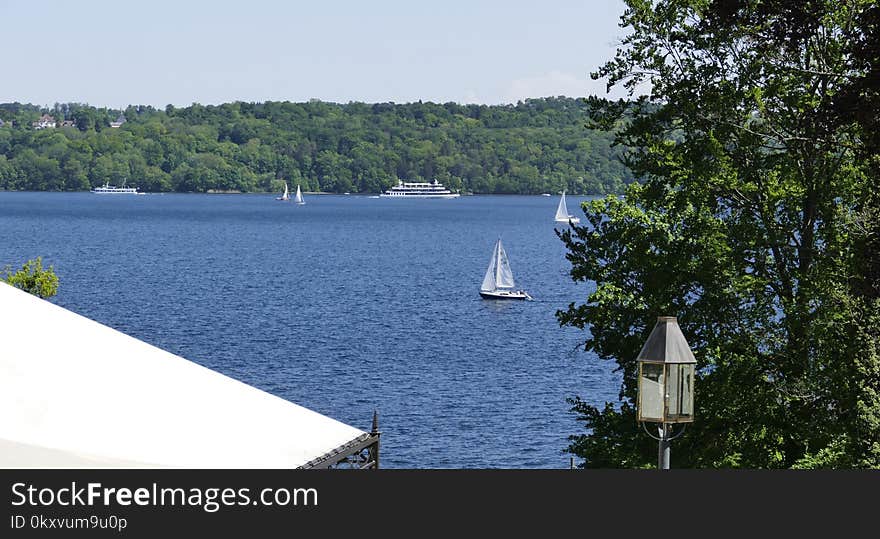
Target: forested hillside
[(541, 145)]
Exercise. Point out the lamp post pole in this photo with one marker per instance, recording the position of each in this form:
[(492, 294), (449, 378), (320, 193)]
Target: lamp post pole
[(663, 452)]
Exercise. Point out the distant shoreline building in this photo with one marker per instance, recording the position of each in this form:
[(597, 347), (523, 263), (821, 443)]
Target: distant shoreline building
[(119, 121), (45, 122)]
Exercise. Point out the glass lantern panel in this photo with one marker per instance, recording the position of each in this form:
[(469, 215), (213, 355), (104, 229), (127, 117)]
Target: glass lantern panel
[(687, 390), (672, 390), (651, 392)]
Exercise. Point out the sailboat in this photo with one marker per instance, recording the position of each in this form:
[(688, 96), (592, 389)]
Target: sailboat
[(498, 282), (298, 198), (562, 215), (285, 195)]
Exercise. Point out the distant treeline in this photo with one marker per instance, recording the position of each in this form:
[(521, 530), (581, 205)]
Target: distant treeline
[(536, 146)]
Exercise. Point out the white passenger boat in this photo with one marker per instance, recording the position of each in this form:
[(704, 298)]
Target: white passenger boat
[(108, 189), (419, 190)]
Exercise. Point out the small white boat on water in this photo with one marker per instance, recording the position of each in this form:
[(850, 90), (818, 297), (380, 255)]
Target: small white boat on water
[(298, 198), (498, 282), (285, 195), (562, 215)]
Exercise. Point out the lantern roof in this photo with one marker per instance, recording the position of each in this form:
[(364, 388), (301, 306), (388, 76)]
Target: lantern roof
[(666, 344)]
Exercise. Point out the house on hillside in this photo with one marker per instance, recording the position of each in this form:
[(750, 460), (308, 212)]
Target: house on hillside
[(119, 121), (45, 122), (67, 123)]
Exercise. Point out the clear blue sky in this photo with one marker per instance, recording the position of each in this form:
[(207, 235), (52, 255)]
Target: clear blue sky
[(115, 53)]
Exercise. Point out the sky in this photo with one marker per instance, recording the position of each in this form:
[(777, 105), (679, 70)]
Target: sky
[(116, 53)]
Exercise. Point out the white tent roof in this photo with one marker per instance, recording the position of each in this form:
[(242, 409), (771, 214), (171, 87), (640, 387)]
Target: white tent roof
[(76, 393)]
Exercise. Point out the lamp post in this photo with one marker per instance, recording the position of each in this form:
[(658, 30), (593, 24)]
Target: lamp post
[(666, 384)]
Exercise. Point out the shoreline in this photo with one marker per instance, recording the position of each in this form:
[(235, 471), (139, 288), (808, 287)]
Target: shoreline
[(310, 193)]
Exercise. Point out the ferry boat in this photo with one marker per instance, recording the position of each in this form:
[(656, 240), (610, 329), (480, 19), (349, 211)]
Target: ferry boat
[(112, 189), (419, 190)]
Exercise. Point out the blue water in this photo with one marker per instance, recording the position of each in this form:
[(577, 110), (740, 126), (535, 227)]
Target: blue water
[(344, 305)]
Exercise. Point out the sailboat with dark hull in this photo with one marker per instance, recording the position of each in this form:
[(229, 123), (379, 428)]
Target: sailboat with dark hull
[(498, 282), (285, 196)]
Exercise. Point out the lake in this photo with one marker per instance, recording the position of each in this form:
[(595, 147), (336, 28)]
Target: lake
[(344, 305)]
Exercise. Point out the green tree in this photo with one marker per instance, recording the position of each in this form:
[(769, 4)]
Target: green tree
[(746, 226), (32, 278), (333, 147), (8, 174), (84, 119)]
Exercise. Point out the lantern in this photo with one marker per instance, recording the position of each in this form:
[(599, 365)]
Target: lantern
[(666, 375)]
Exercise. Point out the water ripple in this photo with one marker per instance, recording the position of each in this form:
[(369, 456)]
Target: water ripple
[(344, 305)]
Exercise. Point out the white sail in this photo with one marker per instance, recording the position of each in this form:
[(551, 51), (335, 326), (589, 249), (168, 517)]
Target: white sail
[(286, 194), (498, 282), (498, 274), (299, 196), (503, 275), (562, 215), (562, 209), (489, 280)]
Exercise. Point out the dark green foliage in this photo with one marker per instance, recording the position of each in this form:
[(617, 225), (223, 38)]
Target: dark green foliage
[(756, 225), (540, 145), (32, 278)]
